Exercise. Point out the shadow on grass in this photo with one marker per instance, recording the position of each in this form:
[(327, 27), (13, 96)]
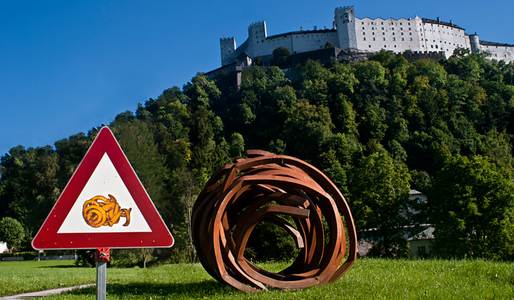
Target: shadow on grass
[(58, 267), (147, 290)]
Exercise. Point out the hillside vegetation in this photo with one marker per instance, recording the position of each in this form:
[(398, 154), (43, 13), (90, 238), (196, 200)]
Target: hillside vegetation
[(376, 127)]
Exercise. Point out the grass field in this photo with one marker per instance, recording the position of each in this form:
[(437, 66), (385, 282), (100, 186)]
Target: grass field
[(368, 279)]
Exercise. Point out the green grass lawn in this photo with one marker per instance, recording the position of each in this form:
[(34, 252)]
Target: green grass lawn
[(368, 279)]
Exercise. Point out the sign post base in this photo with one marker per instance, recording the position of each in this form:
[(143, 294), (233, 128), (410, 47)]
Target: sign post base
[(102, 257)]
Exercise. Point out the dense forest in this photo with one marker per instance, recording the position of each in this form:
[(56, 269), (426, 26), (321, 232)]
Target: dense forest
[(378, 128)]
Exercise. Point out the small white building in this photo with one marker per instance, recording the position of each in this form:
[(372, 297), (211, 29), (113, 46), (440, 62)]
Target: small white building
[(350, 33), (3, 247), (420, 242), (419, 237)]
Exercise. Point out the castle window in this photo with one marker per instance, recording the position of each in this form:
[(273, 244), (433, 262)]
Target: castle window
[(364, 39), (383, 33), (384, 39), (403, 39), (370, 46), (394, 39), (373, 38), (411, 39)]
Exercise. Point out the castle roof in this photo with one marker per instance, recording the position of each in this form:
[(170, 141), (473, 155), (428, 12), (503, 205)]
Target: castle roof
[(439, 22), (300, 32), (487, 43)]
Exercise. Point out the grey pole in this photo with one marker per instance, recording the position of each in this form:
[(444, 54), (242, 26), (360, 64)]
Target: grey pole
[(101, 279), (102, 257)]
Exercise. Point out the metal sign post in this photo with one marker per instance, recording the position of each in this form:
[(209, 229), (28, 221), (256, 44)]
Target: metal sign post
[(102, 257)]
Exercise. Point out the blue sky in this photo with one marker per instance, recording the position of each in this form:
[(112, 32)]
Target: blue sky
[(66, 66)]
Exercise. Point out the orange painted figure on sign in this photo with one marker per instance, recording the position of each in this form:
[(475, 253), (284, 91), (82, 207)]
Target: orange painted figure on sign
[(101, 211)]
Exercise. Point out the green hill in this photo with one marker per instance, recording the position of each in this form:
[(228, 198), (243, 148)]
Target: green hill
[(378, 128)]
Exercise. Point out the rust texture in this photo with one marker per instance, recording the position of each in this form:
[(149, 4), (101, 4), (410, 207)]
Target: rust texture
[(287, 192)]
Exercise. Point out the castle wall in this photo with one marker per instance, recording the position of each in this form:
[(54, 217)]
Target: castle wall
[(267, 46), (397, 35), (505, 53), (295, 42), (313, 41), (439, 37)]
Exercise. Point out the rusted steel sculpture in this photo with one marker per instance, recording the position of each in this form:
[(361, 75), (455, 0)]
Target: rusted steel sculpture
[(269, 187)]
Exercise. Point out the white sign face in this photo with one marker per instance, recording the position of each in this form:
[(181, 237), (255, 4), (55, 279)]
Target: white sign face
[(104, 205)]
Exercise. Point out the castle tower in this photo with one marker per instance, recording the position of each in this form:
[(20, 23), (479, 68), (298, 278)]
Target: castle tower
[(228, 47), (474, 41), (344, 20), (257, 33)]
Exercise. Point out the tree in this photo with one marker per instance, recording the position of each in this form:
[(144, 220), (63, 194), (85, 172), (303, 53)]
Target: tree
[(169, 119), (281, 57), (371, 76), (188, 192), (237, 145), (497, 148), (204, 145), (29, 185), (201, 91), (313, 78), (466, 66), (138, 143), (472, 207), (70, 152), (11, 232), (310, 122), (332, 167), (379, 196)]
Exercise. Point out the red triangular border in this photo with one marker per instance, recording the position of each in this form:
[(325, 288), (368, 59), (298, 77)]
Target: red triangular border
[(47, 236)]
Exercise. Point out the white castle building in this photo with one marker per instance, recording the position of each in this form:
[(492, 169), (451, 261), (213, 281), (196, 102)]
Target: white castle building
[(349, 33)]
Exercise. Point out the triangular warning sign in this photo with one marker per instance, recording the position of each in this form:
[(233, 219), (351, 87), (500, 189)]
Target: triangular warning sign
[(104, 205)]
